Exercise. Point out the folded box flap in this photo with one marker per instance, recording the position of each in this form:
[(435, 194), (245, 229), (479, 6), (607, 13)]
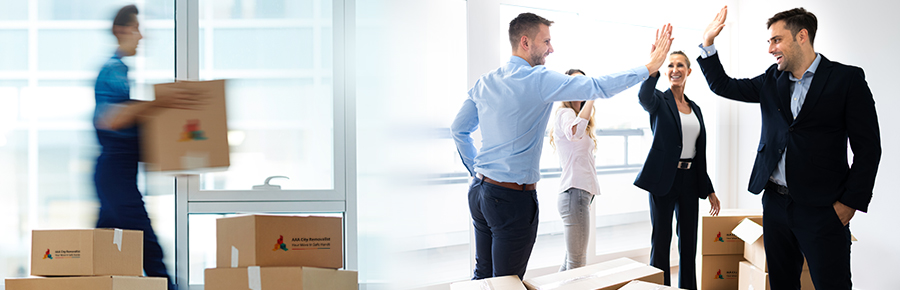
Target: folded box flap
[(748, 230)]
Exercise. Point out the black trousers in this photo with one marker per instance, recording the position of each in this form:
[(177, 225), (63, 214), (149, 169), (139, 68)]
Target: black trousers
[(506, 222), (682, 201), (792, 231)]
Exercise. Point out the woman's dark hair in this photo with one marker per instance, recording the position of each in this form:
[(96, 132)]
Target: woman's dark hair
[(575, 70), (681, 53)]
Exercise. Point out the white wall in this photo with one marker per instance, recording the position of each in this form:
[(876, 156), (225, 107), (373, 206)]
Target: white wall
[(860, 33)]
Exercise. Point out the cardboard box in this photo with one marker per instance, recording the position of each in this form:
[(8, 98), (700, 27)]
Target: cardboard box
[(754, 278), (93, 252), (280, 278), (188, 140), (641, 285), (719, 272), (750, 230), (88, 283), (716, 237), (510, 282), (267, 240), (609, 275)]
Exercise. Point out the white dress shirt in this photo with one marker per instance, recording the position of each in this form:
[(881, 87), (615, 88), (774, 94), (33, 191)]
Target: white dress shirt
[(576, 153)]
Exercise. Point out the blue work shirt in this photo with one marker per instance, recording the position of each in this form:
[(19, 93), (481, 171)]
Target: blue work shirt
[(512, 105), (112, 89), (799, 88)]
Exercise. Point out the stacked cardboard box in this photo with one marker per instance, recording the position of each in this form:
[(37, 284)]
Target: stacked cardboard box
[(721, 251), (95, 259), (510, 282), (641, 285), (610, 275), (279, 253), (754, 273)]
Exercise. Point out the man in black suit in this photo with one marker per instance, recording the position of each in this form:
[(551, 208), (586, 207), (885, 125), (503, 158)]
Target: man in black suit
[(810, 107)]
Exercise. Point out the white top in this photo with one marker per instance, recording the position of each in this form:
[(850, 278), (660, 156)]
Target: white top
[(575, 151), (690, 130)]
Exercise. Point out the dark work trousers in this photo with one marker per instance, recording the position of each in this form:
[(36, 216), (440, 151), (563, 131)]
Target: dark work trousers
[(506, 222), (122, 206), (682, 199), (792, 230)]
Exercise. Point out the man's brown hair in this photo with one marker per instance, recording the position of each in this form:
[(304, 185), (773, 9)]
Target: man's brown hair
[(527, 24), (125, 16), (795, 20)]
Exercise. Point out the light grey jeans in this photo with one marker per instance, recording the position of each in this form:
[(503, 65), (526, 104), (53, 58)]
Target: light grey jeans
[(575, 209)]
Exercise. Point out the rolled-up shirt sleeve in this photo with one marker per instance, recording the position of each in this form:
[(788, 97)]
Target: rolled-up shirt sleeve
[(568, 120)]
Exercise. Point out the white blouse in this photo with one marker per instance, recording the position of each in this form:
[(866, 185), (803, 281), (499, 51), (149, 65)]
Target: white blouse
[(575, 151), (690, 130)]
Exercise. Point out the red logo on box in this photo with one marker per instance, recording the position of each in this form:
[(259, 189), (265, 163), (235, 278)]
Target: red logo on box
[(280, 245), (47, 255), (192, 131)]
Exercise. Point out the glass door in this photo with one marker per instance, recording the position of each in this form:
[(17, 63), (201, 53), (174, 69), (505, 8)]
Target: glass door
[(283, 62)]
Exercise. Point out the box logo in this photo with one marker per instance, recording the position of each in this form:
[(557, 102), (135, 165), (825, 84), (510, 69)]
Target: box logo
[(719, 275), (303, 244), (280, 245), (192, 131), (62, 254), (719, 238)]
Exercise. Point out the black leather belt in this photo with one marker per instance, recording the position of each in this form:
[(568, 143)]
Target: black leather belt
[(685, 163), (510, 185), (780, 189)]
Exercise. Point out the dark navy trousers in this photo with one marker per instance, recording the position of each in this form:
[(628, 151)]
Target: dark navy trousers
[(682, 200), (506, 222), (122, 206), (792, 230)]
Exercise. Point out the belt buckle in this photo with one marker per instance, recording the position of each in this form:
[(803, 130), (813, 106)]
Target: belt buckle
[(783, 190), (684, 165)]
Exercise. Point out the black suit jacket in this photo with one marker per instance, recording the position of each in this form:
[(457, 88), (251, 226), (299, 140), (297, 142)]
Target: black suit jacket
[(838, 106), (659, 168)]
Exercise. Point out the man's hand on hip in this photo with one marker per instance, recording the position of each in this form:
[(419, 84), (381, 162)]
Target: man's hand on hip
[(844, 212)]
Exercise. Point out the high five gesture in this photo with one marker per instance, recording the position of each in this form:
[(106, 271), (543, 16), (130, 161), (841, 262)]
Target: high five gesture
[(660, 50), (714, 27)]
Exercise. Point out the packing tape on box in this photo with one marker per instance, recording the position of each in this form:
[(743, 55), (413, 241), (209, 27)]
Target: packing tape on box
[(607, 272), (117, 238), (253, 278), (192, 160), (234, 257), (486, 284)]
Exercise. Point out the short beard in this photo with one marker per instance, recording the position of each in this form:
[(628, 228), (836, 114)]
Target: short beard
[(537, 59)]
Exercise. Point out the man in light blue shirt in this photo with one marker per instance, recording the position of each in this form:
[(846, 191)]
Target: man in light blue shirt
[(511, 105)]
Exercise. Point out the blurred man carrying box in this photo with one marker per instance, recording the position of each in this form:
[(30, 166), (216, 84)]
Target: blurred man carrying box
[(188, 140)]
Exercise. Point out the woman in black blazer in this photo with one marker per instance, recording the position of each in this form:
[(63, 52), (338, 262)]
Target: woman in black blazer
[(675, 170)]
